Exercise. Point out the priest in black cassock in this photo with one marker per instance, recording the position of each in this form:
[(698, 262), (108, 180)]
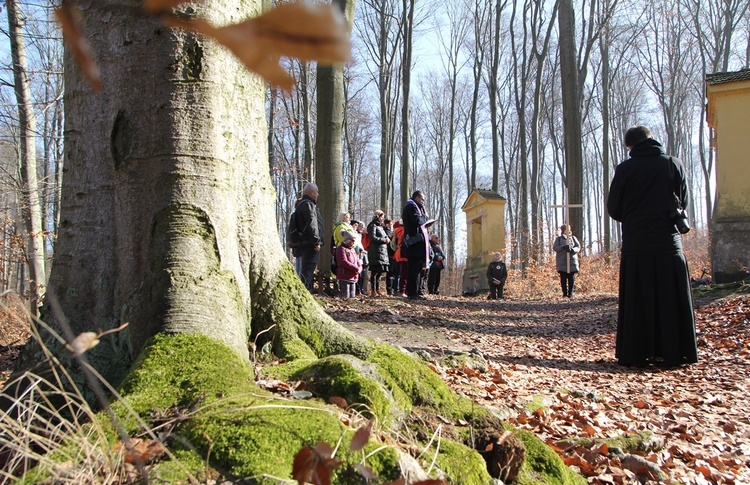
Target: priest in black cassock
[(656, 323)]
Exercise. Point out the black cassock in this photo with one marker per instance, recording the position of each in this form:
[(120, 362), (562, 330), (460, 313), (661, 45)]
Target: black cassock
[(656, 323)]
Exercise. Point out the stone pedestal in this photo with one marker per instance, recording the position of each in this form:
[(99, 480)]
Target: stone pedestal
[(730, 257)]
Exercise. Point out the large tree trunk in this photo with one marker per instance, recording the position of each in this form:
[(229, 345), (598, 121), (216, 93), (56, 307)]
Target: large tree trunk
[(406, 169), (572, 109), (604, 47), (31, 200), (328, 142), (167, 198)]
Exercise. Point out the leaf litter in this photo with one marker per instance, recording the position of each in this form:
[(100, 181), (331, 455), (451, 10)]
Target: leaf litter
[(551, 369)]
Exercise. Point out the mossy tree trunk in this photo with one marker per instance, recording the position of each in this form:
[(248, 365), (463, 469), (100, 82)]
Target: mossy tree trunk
[(167, 198)]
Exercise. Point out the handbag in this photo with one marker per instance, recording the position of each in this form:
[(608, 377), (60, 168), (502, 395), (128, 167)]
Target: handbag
[(413, 239)]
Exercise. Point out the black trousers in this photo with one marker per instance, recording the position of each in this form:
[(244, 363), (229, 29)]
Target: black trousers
[(567, 283), (414, 281), (309, 257), (433, 280), (496, 291)]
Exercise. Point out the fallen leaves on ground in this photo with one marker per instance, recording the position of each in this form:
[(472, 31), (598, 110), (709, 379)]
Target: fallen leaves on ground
[(551, 370)]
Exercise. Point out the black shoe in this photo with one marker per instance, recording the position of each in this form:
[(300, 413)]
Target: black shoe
[(418, 297)]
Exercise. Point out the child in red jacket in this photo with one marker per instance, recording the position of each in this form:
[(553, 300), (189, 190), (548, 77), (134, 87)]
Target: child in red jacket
[(348, 265)]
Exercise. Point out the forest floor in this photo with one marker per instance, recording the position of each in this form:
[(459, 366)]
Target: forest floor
[(552, 370)]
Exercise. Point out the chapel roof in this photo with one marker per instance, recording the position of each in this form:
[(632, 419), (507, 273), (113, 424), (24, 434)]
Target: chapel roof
[(728, 77), (489, 194)]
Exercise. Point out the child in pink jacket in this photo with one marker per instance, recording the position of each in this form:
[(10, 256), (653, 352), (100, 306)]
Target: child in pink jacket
[(348, 265)]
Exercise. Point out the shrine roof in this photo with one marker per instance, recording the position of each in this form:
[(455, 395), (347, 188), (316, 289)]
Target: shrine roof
[(488, 194), (728, 77)]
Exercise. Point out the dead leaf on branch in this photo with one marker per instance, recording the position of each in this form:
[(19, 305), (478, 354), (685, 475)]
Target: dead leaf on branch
[(69, 17), (361, 437), (307, 31), (140, 451)]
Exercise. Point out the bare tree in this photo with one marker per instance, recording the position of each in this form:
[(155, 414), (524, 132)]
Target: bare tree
[(383, 37), (328, 141), (32, 207), (406, 65)]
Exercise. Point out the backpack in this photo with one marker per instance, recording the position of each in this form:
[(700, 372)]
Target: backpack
[(293, 236), (365, 241)]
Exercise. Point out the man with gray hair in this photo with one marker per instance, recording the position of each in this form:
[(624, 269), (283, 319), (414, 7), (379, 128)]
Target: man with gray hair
[(312, 233)]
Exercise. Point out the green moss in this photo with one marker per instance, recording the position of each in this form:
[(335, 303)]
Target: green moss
[(542, 465), (410, 379), (539, 401), (264, 437), (295, 349), (356, 381), (313, 339), (382, 461), (462, 464), (179, 370), (286, 370), (238, 428), (177, 470)]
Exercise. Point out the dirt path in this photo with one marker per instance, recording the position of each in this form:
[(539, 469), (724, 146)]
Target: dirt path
[(560, 354)]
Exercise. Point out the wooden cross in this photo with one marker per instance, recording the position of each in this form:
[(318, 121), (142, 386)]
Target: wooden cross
[(566, 220), (567, 207)]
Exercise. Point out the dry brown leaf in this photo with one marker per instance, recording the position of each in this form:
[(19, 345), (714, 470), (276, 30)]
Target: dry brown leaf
[(338, 401), (303, 465), (69, 18), (323, 450), (324, 471), (366, 472), (361, 437), (141, 451), (307, 31), (82, 343)]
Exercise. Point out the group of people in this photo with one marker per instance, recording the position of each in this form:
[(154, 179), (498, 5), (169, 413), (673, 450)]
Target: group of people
[(648, 195), (402, 252)]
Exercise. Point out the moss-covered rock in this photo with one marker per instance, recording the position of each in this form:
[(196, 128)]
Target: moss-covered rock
[(542, 465), (358, 382)]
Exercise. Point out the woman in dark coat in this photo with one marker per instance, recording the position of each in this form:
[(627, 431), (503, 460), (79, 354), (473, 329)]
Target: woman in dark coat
[(655, 323), (377, 251)]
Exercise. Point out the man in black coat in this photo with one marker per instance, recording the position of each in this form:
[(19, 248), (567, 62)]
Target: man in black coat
[(312, 233), (414, 218), (656, 323)]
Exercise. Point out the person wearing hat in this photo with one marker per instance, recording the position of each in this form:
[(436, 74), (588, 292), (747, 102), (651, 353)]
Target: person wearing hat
[(567, 248), (348, 265), (497, 273)]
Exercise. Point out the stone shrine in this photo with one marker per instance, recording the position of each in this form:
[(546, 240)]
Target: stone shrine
[(729, 115), (485, 231)]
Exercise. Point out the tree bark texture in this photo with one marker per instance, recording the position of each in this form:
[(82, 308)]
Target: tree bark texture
[(167, 201)]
